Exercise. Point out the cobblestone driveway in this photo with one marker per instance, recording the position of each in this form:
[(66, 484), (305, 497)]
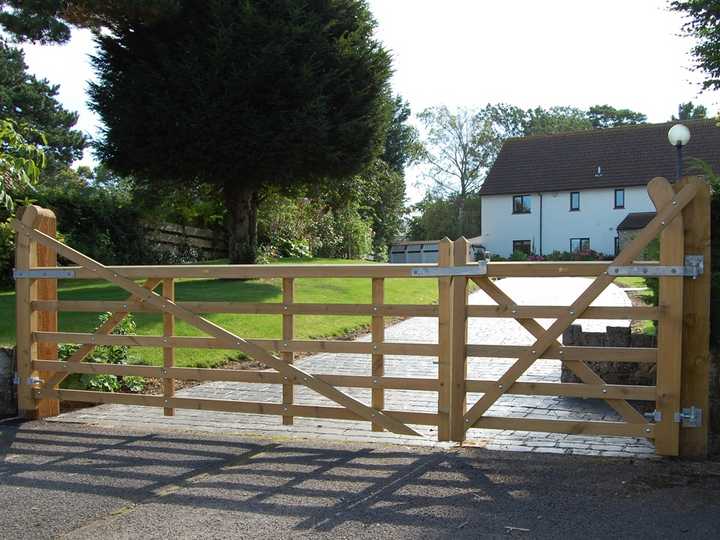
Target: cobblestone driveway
[(528, 291)]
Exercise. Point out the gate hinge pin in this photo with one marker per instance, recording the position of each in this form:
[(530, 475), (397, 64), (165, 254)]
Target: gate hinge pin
[(689, 417)]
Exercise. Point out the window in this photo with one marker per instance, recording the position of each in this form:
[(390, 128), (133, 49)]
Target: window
[(619, 198), (579, 245), (574, 201), (522, 204), (522, 246), (617, 245)]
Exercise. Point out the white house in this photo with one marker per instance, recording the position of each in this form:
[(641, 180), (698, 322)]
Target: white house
[(570, 191)]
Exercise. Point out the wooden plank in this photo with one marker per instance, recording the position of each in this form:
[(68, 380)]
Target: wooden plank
[(90, 343), (579, 390), (46, 320), (495, 269), (445, 258), (388, 310), (307, 411), (571, 427), (669, 364), (458, 338), (234, 375), (330, 346), (288, 330), (168, 291), (25, 319), (581, 369), (568, 353), (696, 321), (649, 313), (212, 329), (626, 256), (377, 328)]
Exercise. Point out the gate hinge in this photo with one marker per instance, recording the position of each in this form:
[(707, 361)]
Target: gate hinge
[(39, 274), (655, 416), (694, 267), (690, 417), (30, 381)]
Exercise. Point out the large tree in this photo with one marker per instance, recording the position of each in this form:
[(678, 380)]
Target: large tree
[(33, 102), (241, 95), (702, 22), (606, 116)]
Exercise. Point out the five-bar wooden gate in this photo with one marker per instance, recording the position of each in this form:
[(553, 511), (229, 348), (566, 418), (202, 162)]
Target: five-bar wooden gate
[(681, 357)]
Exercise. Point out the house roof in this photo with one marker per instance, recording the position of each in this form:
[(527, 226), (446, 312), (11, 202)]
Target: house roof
[(635, 221), (628, 156)]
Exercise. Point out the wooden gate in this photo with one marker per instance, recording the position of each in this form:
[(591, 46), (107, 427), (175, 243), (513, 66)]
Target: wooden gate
[(682, 222)]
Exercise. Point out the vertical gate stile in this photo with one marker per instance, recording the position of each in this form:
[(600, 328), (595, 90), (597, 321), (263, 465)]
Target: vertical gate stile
[(47, 321), (288, 332), (669, 328), (445, 248), (26, 319), (378, 337), (696, 320), (168, 291), (458, 365)]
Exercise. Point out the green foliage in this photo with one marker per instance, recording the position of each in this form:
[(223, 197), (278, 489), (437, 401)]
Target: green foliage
[(263, 92), (519, 256), (702, 23), (33, 103), (436, 217), (541, 121), (105, 354), (20, 163), (606, 116), (690, 111)]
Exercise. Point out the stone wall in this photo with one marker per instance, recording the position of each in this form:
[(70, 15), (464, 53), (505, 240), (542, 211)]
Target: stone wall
[(8, 399), (612, 372)]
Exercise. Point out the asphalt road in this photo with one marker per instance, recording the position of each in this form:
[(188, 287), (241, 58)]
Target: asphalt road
[(74, 481)]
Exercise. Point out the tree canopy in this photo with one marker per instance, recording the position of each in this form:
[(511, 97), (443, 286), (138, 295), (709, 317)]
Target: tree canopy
[(702, 22), (33, 102), (240, 95)]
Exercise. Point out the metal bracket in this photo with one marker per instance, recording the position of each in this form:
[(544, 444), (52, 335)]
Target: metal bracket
[(690, 417), (30, 381), (694, 267), (479, 269), (38, 274), (655, 416)]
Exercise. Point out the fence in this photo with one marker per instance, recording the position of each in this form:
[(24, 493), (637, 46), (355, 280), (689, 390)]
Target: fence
[(681, 356)]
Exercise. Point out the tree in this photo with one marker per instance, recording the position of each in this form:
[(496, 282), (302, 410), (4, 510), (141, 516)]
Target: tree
[(33, 102), (242, 95), (20, 162), (690, 111), (540, 121), (402, 146), (50, 21), (606, 116), (702, 23)]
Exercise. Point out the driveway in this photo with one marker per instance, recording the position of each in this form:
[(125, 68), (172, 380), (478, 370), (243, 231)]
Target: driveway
[(528, 291), (81, 482)]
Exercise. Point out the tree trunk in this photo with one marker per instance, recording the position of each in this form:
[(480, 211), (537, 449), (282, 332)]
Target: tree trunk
[(241, 203)]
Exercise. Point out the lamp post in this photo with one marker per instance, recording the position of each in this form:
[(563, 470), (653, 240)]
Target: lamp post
[(679, 136)]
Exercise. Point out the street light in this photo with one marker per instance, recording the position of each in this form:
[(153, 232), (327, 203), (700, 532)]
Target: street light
[(679, 136)]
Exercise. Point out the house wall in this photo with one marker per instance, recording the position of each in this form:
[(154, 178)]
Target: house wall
[(597, 219)]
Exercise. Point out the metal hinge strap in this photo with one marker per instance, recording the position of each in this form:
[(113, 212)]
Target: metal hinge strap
[(479, 269), (694, 267), (39, 274)]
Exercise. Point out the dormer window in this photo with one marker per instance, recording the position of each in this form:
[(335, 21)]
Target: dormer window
[(522, 204)]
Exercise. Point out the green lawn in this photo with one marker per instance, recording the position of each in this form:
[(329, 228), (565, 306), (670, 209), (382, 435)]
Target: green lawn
[(315, 290), (630, 282)]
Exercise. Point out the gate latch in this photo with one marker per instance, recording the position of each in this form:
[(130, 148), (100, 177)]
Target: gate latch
[(690, 417), (694, 267), (655, 416)]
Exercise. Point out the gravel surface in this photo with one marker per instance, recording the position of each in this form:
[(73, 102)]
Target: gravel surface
[(82, 482)]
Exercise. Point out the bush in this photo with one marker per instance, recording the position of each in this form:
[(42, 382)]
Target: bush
[(106, 354)]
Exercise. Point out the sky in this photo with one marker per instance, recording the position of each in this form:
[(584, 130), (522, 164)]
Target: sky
[(467, 53)]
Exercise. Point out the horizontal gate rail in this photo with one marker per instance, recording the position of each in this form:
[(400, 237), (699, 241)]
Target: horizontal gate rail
[(569, 353), (648, 313)]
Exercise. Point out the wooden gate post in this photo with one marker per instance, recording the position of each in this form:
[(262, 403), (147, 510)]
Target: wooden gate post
[(696, 320), (27, 255), (458, 367), (445, 258)]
